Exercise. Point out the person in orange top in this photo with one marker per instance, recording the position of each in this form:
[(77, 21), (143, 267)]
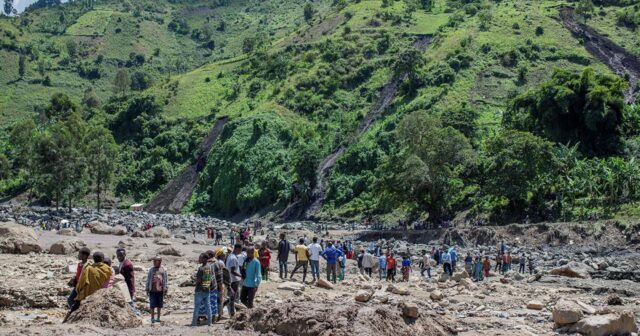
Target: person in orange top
[(391, 267), (486, 266)]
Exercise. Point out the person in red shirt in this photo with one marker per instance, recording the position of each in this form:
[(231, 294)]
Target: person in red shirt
[(391, 267), (265, 260), (83, 256)]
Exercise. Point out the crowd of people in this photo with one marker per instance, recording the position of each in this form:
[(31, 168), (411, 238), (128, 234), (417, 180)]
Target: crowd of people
[(233, 274)]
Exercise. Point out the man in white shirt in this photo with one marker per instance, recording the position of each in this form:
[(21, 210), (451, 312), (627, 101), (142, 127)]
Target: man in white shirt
[(236, 277), (314, 250)]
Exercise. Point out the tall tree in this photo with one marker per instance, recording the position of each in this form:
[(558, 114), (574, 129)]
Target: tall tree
[(8, 7), (122, 81), (308, 11), (585, 9), (22, 66), (101, 153)]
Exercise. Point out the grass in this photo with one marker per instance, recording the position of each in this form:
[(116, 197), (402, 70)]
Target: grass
[(92, 23), (606, 22)]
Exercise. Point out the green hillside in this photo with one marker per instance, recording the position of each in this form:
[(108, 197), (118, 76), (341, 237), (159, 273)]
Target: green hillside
[(491, 110)]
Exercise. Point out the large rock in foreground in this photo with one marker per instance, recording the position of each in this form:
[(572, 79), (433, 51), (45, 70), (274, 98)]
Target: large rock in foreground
[(610, 324), (566, 312), (106, 308), (334, 318), (18, 239)]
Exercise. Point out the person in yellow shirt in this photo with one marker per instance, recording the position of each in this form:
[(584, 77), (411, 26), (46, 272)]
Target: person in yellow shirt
[(92, 279), (302, 259)]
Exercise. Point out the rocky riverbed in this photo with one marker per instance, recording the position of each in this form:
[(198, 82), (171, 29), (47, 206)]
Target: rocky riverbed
[(585, 283)]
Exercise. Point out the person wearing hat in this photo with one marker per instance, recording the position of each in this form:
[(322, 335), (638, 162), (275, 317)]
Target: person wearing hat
[(156, 288)]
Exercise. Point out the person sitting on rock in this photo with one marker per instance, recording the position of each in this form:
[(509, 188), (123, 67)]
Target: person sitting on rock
[(156, 287), (91, 280), (83, 256)]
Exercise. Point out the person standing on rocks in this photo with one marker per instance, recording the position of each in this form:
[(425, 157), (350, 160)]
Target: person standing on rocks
[(391, 267), (506, 266), (359, 259), (223, 279), (83, 256), (468, 263), (218, 237), (499, 259), (436, 255), (235, 277), (283, 255), (486, 266), (382, 267), (445, 258), (126, 269), (454, 258), (425, 264), (331, 254), (368, 262), (251, 280), (302, 259), (532, 265), (522, 262), (265, 260), (213, 289), (202, 297), (232, 237), (156, 287), (406, 268), (477, 268), (315, 250)]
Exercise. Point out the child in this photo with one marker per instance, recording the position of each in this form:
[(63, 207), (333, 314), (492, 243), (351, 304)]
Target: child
[(477, 268), (406, 268), (156, 288), (343, 267), (265, 259)]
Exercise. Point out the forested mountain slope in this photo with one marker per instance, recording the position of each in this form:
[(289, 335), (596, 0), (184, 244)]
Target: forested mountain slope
[(503, 116)]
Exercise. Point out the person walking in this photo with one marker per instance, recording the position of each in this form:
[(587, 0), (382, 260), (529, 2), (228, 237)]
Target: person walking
[(213, 289), (315, 250), (302, 259), (331, 254), (235, 277), (283, 255), (251, 280), (156, 287), (265, 260), (202, 296)]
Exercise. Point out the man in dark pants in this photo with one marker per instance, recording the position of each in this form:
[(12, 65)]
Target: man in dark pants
[(236, 277), (283, 256), (251, 280), (128, 272)]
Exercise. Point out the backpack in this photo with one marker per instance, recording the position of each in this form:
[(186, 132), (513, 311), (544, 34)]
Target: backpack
[(206, 278), (157, 280)]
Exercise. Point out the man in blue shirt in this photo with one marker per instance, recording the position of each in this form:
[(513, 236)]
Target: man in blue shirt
[(331, 254), (382, 267), (454, 258), (251, 280)]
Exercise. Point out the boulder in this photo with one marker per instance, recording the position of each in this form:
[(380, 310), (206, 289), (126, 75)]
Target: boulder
[(573, 269), (163, 242), (323, 283), (291, 286), (614, 300), (611, 324), (397, 290), (67, 232), (18, 239), (363, 296), (504, 280), (566, 312), (273, 243), (467, 283), (66, 247), (158, 232), (410, 310), (106, 308), (535, 305), (170, 251), (102, 228), (460, 275), (444, 277), (436, 295), (137, 234)]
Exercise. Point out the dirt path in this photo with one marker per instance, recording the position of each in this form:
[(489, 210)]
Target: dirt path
[(318, 195), (617, 58), (178, 192)]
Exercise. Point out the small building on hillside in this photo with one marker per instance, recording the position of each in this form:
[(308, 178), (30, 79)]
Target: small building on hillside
[(137, 207)]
